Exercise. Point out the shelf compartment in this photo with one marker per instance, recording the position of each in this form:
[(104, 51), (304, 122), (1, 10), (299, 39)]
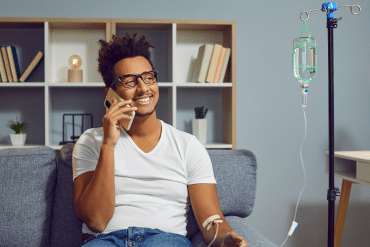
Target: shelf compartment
[(15, 102), (190, 98), (77, 37), (70, 100), (160, 35), (186, 50), (28, 39)]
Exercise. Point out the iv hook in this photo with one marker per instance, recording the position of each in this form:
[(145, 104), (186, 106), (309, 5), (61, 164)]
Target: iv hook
[(351, 7)]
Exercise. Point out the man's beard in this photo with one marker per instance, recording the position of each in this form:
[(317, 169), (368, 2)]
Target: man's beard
[(146, 114)]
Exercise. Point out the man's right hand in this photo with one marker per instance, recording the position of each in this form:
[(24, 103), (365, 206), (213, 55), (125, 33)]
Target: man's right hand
[(111, 125)]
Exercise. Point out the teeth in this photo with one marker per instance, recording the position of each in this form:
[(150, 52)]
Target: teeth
[(142, 100)]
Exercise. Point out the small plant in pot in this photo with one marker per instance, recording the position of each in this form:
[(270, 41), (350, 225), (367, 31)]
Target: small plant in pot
[(17, 139)]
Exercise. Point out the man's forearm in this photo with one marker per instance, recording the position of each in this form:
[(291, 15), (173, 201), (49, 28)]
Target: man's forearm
[(223, 229)]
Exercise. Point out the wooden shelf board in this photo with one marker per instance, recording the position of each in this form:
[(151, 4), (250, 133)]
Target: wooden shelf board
[(194, 84), (143, 26), (76, 84), (22, 84)]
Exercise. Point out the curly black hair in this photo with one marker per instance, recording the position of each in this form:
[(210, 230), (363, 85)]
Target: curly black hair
[(119, 48)]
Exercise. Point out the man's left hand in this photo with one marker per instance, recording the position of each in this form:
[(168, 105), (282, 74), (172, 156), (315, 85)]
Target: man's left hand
[(232, 239)]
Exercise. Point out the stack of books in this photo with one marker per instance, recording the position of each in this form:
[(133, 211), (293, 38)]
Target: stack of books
[(211, 64), (9, 66)]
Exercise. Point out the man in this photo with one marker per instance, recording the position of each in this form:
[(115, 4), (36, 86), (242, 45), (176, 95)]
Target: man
[(132, 188)]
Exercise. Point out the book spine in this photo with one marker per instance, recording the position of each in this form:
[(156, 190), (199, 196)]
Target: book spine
[(213, 64), (32, 67), (219, 65), (16, 62), (9, 50), (4, 78), (224, 65), (6, 63), (197, 64), (204, 63)]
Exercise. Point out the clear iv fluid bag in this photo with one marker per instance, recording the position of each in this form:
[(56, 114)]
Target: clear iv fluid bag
[(304, 59)]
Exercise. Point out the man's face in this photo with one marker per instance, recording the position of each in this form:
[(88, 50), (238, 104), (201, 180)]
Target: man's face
[(144, 97)]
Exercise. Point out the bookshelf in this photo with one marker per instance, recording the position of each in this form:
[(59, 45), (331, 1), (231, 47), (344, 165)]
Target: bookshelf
[(43, 100)]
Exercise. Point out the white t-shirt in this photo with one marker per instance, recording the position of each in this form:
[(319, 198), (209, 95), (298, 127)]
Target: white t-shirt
[(151, 188)]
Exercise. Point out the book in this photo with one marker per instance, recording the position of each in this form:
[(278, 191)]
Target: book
[(32, 67), (3, 76), (6, 63), (213, 64), (224, 65), (219, 65), (13, 61), (202, 63)]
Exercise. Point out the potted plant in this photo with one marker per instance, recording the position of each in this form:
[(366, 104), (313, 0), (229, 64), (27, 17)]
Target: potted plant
[(199, 124), (17, 139)]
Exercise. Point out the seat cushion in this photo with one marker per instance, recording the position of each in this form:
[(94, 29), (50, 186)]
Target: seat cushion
[(27, 179)]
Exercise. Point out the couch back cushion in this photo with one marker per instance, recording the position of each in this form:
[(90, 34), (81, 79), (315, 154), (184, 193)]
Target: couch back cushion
[(235, 173), (65, 227), (27, 178)]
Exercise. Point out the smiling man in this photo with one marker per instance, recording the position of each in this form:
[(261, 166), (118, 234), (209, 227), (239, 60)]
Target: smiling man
[(132, 188)]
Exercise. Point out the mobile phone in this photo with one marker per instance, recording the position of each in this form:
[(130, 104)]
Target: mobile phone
[(125, 123)]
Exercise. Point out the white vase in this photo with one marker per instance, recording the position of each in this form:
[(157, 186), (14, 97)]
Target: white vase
[(18, 139), (200, 129)]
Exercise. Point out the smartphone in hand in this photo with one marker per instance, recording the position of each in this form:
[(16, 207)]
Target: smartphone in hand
[(125, 123)]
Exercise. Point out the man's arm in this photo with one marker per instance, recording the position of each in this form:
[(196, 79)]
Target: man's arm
[(94, 192), (205, 203)]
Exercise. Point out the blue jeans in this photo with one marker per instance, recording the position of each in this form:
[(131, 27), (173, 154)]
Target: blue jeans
[(138, 236)]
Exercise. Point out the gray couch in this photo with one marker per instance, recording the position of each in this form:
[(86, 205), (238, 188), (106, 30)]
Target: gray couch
[(37, 197)]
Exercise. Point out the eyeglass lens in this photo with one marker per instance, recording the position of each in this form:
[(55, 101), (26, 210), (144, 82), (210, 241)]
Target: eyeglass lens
[(131, 80)]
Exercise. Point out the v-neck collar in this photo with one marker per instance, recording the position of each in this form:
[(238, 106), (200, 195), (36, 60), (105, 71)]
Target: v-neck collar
[(124, 133)]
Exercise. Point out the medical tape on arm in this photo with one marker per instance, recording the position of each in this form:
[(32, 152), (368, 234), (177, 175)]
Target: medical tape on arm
[(215, 219)]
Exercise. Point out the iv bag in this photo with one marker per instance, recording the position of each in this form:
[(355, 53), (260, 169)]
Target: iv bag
[(304, 60)]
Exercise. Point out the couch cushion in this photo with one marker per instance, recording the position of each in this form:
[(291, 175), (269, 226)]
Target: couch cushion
[(65, 228), (235, 173), (27, 178)]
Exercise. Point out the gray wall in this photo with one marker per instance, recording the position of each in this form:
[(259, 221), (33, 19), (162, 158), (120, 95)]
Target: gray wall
[(269, 113)]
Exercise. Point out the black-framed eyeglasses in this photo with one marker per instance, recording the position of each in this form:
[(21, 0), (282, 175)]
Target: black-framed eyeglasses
[(130, 81)]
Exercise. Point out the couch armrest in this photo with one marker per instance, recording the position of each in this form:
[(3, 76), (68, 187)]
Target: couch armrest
[(244, 229)]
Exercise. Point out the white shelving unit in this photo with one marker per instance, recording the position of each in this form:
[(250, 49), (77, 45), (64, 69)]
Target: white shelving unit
[(43, 100)]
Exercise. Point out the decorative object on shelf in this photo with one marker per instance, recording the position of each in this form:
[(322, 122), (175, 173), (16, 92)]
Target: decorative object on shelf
[(199, 124), (17, 139), (74, 138), (75, 73)]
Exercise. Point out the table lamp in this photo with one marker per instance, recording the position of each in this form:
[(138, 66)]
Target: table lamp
[(75, 73)]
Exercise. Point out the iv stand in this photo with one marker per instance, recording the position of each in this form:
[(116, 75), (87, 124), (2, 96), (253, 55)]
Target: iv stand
[(332, 192)]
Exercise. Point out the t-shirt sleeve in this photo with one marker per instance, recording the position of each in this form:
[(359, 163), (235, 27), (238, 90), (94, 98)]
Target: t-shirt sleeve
[(85, 154), (199, 165)]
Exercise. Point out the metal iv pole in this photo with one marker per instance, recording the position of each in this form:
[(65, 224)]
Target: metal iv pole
[(332, 193)]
